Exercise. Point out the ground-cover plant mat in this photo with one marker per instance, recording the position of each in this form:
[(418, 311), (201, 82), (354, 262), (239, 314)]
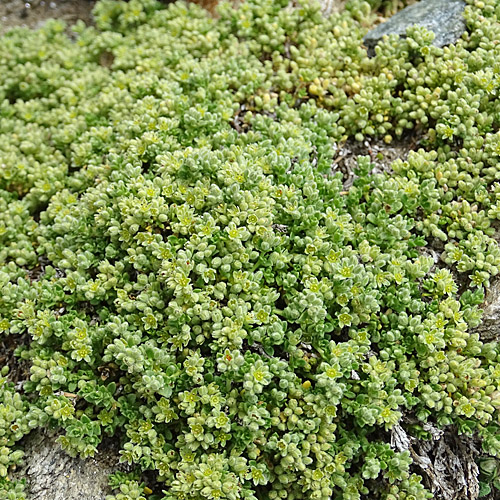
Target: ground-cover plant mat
[(182, 267)]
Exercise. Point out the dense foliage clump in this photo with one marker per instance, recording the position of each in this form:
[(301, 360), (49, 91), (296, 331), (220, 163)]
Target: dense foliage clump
[(182, 267)]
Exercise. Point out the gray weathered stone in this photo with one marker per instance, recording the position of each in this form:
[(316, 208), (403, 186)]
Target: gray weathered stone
[(443, 17), (489, 329), (51, 474), (329, 7)]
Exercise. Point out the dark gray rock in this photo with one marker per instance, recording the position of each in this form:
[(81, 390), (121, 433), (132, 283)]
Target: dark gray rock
[(443, 17)]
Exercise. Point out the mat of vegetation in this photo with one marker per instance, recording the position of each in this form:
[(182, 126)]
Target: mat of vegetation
[(182, 268)]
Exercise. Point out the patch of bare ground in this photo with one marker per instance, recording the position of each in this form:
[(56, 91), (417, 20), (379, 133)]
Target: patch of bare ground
[(34, 13), (381, 155)]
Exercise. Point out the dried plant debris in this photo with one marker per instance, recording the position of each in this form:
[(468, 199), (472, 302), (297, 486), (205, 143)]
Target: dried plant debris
[(346, 154), (447, 460)]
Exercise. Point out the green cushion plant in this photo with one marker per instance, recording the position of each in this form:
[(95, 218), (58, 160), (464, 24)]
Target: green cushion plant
[(182, 267)]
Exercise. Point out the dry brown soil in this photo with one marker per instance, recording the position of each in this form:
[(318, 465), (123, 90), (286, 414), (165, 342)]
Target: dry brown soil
[(33, 13)]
